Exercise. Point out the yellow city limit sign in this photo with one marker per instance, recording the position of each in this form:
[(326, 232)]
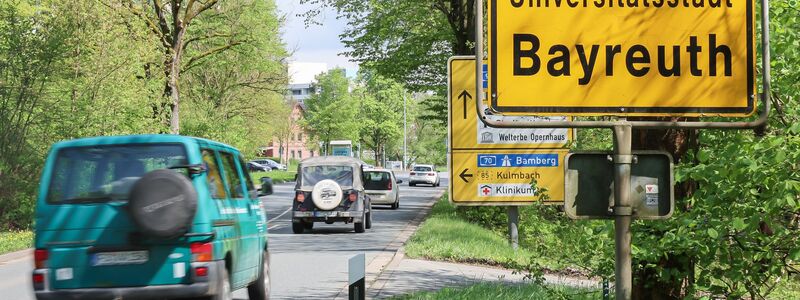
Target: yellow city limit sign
[(622, 57), (466, 132), (503, 177)]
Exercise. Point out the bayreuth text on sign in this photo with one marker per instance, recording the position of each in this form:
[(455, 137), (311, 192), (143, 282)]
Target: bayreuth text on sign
[(622, 57)]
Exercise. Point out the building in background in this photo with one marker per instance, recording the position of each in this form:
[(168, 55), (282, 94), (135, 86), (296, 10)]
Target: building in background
[(302, 76), (295, 143)]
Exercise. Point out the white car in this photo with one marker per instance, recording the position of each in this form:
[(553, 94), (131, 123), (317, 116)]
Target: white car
[(382, 187), (425, 174)]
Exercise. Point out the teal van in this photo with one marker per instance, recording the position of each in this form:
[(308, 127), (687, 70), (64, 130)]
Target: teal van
[(149, 216)]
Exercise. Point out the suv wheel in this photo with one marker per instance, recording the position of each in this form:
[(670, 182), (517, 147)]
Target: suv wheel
[(298, 227), (308, 225), (259, 290), (396, 203), (359, 226)]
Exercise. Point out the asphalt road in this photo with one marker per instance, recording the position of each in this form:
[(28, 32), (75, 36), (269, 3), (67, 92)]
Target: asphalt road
[(304, 266)]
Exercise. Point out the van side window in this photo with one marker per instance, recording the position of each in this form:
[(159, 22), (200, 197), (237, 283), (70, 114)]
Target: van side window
[(248, 181), (234, 181), (214, 180)]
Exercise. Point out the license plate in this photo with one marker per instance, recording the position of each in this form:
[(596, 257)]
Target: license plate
[(119, 258), (324, 213)]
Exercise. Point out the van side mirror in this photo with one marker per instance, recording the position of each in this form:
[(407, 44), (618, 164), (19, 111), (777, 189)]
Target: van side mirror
[(266, 186), (399, 181)]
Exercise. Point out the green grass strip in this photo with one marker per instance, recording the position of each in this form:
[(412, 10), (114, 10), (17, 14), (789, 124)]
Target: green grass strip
[(11, 241), (446, 237), (277, 176), (499, 291)]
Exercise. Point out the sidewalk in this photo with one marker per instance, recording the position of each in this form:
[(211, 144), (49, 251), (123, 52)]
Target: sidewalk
[(405, 276)]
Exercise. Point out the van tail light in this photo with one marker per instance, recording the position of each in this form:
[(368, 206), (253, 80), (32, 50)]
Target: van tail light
[(38, 278), (352, 197), (202, 251), (412, 173), (431, 174), (389, 185), (40, 258), (300, 197), (201, 271)]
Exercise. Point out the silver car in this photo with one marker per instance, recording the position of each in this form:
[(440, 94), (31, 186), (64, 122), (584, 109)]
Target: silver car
[(382, 187), (425, 174)]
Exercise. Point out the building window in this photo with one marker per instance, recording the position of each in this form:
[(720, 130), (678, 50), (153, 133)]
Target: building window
[(299, 136), (300, 154), (297, 92), (292, 154)]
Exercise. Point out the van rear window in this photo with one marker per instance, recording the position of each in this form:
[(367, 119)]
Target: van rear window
[(378, 181), (107, 173)]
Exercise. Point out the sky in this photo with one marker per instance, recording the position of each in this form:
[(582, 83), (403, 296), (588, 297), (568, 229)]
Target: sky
[(317, 43)]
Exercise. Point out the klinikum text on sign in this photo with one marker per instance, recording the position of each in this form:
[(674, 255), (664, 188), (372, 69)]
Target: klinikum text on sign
[(622, 57)]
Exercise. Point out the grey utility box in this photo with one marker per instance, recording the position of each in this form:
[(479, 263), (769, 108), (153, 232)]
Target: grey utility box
[(589, 190)]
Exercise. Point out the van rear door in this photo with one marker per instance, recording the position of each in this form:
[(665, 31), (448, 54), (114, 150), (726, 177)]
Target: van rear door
[(83, 224)]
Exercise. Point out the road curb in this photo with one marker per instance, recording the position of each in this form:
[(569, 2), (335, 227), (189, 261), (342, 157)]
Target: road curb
[(15, 255), (392, 254)]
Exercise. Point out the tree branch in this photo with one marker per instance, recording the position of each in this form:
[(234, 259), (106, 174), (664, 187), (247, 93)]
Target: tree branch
[(152, 26), (162, 21), (205, 37), (193, 61), (190, 14)]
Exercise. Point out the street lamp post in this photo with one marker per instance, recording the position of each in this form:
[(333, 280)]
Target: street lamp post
[(405, 140)]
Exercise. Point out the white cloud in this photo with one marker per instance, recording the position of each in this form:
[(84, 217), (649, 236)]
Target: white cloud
[(317, 43)]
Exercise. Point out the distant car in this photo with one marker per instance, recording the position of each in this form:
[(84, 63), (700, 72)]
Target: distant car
[(331, 189), (256, 167), (269, 163), (425, 174), (140, 217), (382, 187)]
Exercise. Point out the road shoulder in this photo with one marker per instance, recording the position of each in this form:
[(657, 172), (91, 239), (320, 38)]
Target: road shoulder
[(12, 256), (393, 252)]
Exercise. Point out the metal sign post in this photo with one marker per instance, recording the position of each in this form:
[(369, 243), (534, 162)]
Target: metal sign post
[(622, 208)]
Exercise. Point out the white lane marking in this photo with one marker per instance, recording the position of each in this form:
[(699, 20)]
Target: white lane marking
[(278, 217)]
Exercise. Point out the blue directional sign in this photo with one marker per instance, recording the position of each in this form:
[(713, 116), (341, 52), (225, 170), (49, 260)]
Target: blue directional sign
[(485, 76), (517, 160)]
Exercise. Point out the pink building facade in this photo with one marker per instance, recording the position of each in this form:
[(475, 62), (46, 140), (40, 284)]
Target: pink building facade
[(295, 144)]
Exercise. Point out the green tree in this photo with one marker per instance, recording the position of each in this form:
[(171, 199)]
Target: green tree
[(408, 41), (331, 111), (169, 22), (381, 113)]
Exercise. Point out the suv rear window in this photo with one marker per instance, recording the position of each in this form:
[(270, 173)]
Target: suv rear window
[(378, 181), (422, 169), (343, 175), (106, 173)]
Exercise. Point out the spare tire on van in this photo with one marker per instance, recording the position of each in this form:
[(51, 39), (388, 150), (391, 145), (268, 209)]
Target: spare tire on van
[(162, 204)]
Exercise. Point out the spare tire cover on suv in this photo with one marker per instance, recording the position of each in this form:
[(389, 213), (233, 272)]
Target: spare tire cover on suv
[(163, 203), (327, 194)]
